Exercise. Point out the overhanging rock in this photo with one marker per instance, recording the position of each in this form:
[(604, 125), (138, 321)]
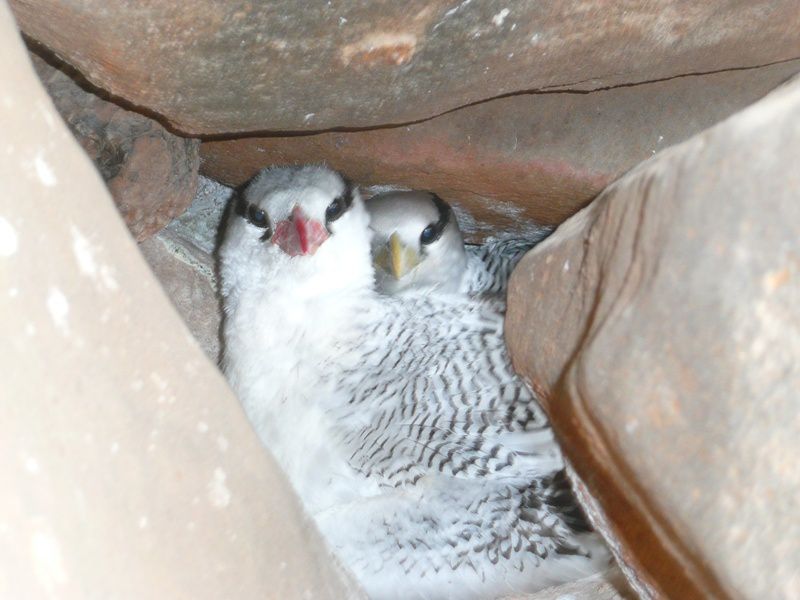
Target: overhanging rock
[(660, 327)]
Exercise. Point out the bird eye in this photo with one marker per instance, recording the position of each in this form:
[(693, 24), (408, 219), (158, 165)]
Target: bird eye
[(430, 234), (335, 209), (257, 217)]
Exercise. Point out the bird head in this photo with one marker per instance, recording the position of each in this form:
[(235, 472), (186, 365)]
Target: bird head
[(307, 220), (416, 242)]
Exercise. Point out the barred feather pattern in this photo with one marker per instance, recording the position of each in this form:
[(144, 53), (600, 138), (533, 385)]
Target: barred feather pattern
[(426, 463), (471, 479), (489, 265), (441, 387)]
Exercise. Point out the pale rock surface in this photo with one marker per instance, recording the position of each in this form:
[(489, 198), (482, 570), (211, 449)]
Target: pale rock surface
[(609, 586), (127, 469)]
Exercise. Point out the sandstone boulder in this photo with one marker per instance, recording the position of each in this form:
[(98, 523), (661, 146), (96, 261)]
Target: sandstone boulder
[(660, 327), (243, 66), (150, 172), (127, 468), (513, 161)]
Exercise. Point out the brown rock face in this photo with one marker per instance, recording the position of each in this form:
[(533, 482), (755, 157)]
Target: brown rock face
[(240, 66), (660, 327), (127, 468), (536, 157), (151, 173)]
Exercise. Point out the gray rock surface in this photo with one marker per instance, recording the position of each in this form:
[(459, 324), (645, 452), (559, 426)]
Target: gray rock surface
[(201, 222), (186, 274), (181, 257), (660, 328)]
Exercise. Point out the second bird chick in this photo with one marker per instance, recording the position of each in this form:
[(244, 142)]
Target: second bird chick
[(417, 246), (416, 243)]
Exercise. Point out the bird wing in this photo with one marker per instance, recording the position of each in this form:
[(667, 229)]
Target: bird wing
[(436, 394), (489, 265), (464, 460)]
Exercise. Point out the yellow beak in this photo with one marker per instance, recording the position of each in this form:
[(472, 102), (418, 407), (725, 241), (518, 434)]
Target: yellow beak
[(396, 258)]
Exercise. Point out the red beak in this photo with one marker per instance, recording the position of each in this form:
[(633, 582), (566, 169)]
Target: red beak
[(299, 235)]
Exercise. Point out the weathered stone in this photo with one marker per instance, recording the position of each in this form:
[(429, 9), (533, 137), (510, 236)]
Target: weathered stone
[(244, 66), (536, 157), (181, 257), (127, 468), (187, 275), (660, 327), (200, 224), (151, 173), (611, 586)]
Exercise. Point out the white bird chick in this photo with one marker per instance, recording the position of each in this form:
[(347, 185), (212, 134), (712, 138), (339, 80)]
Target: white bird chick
[(425, 462), (418, 246), (416, 243), (294, 266), (284, 213)]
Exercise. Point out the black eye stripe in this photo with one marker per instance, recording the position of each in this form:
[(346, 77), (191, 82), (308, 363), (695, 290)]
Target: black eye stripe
[(434, 230), (444, 211), (240, 207), (341, 204), (347, 194)]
